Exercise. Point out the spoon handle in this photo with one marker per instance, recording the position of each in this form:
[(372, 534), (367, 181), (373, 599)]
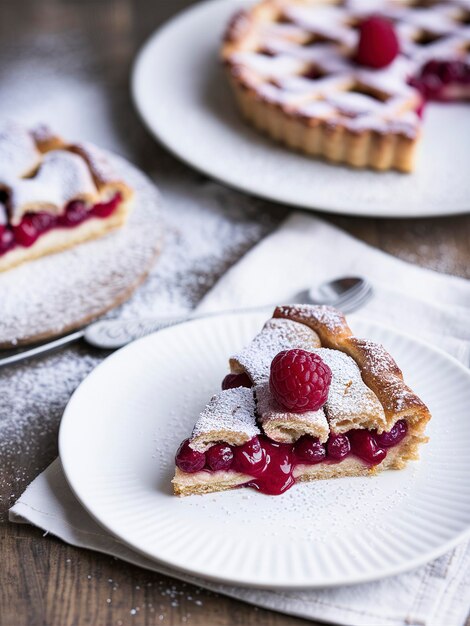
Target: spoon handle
[(113, 334), (42, 349)]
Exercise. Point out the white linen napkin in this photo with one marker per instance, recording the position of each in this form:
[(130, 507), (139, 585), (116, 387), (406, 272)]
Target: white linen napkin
[(303, 251)]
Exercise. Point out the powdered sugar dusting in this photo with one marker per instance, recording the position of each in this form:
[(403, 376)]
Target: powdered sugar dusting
[(229, 417), (62, 177), (42, 134), (350, 404), (101, 167), (18, 152), (326, 316), (277, 335), (378, 361), (382, 373)]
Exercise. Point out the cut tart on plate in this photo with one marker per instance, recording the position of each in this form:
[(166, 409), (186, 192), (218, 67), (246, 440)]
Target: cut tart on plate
[(305, 400), (347, 80), (53, 194)]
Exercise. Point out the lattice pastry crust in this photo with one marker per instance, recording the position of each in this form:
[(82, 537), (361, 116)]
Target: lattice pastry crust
[(290, 63)]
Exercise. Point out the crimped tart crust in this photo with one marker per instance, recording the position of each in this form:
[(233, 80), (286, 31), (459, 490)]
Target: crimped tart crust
[(290, 63), (367, 393)]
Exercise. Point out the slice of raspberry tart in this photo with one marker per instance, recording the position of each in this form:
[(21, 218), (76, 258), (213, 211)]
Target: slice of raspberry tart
[(306, 399), (54, 194)]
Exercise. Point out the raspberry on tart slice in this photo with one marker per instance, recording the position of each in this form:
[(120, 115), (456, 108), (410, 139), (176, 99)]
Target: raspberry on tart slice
[(327, 412), (299, 380)]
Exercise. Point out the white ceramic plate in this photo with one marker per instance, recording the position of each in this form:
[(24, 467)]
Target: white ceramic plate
[(182, 94), (123, 425)]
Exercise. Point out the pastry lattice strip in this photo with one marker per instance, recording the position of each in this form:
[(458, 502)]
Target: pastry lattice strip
[(283, 426), (350, 404), (379, 370), (229, 417), (297, 55), (276, 336)]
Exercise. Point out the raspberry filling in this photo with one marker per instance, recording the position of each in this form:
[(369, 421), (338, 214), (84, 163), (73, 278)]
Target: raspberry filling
[(231, 381), (271, 464), (34, 225), (437, 77)]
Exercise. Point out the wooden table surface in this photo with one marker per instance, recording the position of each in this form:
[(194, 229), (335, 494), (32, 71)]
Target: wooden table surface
[(57, 54)]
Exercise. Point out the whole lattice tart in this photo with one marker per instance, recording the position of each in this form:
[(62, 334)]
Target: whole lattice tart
[(347, 81), (53, 194), (306, 399)]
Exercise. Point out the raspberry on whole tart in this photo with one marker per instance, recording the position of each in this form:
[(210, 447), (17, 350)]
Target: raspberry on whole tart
[(378, 43), (299, 380)]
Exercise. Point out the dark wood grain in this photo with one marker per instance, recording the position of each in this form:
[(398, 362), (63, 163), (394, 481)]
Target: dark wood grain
[(90, 45)]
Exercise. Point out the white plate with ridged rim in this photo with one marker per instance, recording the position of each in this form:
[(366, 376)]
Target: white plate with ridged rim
[(124, 423), (182, 94)]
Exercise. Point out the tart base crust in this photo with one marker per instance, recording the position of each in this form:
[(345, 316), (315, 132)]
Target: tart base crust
[(334, 143), (59, 239)]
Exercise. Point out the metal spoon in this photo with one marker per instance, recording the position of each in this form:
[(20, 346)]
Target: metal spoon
[(346, 293)]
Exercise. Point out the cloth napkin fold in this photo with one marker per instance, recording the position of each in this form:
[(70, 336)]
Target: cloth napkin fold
[(304, 251)]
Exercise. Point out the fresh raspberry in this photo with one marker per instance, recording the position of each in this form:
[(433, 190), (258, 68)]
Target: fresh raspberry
[(394, 436), (364, 445), (299, 380), (378, 43), (75, 213), (309, 450), (189, 460), (338, 447), (250, 458), (26, 232), (7, 239), (219, 457)]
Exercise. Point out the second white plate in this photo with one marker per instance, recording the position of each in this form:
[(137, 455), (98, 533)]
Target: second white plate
[(183, 96), (123, 425)]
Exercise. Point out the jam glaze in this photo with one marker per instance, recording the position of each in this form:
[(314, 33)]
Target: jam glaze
[(442, 81), (271, 464), (34, 225)]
